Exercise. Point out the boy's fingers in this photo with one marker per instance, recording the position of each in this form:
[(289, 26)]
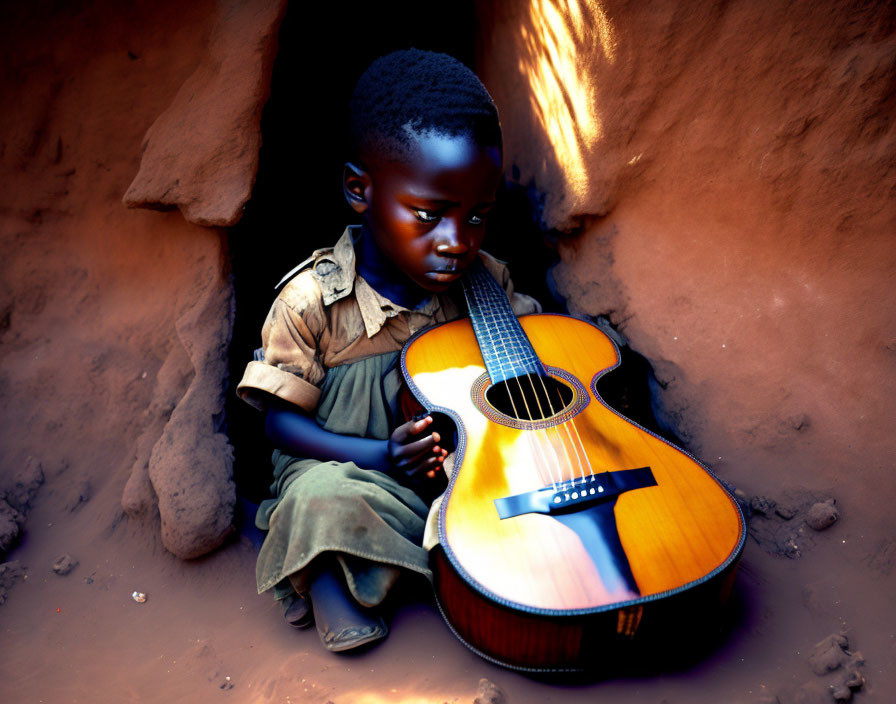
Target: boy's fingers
[(428, 466), (411, 454), (412, 428)]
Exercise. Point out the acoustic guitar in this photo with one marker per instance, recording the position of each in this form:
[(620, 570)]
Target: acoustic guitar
[(566, 530)]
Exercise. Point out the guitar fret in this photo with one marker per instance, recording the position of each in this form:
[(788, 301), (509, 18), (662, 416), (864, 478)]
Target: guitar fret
[(505, 348)]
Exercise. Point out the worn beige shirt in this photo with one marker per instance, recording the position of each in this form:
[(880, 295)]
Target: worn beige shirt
[(327, 315)]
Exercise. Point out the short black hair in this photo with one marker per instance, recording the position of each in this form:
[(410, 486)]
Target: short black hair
[(423, 90)]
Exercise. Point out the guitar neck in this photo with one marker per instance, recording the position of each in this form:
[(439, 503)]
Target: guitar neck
[(505, 348)]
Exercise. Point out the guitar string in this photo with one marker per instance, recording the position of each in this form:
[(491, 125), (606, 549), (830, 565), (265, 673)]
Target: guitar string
[(575, 429), (490, 297), (532, 440), (566, 425), (483, 279)]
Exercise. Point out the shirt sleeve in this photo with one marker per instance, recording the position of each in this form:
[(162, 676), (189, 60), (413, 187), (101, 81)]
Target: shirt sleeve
[(520, 302), (293, 337)]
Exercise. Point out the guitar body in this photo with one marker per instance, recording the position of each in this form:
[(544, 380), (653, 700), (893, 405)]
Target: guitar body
[(565, 538)]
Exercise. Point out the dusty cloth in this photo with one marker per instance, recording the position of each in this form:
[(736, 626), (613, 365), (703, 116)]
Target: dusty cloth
[(331, 346), (338, 507)]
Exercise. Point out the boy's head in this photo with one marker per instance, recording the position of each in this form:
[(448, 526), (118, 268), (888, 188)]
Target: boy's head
[(417, 91), (426, 145)]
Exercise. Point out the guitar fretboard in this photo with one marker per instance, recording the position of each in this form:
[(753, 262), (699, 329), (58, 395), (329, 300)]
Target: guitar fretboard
[(506, 350)]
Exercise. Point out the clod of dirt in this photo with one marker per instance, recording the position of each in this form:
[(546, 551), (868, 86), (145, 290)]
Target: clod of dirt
[(829, 654), (785, 512), (762, 505), (64, 564), (489, 693), (822, 515), (16, 495), (841, 693), (10, 573), (11, 522), (854, 679), (20, 492)]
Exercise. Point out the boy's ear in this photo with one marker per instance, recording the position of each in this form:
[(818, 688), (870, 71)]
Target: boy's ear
[(355, 185)]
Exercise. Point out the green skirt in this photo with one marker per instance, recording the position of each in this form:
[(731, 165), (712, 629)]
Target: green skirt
[(372, 524)]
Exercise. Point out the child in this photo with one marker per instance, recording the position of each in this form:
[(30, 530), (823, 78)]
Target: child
[(346, 523)]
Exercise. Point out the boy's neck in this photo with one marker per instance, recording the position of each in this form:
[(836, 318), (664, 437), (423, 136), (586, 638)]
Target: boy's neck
[(387, 279)]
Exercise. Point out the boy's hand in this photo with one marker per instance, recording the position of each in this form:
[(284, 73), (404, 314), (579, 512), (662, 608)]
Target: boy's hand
[(414, 453)]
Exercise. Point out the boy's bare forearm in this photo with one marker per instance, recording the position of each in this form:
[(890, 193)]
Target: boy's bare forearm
[(294, 432)]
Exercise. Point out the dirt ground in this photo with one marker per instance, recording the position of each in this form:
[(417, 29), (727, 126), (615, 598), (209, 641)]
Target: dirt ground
[(92, 328)]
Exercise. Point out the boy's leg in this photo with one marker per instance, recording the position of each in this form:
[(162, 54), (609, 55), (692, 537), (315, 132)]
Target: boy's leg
[(342, 623), (297, 611)]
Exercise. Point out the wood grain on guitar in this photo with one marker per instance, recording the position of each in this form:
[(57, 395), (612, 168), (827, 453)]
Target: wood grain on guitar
[(566, 530)]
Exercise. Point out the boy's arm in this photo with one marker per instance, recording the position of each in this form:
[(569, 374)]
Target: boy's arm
[(407, 454)]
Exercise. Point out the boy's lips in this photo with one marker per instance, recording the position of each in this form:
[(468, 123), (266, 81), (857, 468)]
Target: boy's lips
[(442, 275)]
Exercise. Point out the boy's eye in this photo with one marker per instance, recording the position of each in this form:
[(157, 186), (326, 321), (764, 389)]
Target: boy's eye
[(426, 215), (477, 219)]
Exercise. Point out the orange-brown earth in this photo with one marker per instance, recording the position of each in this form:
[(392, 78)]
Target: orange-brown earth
[(723, 175)]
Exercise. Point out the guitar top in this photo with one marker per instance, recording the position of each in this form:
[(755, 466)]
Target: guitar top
[(562, 518)]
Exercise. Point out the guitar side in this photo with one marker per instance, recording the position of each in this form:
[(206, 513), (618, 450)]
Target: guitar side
[(538, 591)]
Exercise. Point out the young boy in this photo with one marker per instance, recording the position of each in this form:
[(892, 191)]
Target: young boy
[(346, 523)]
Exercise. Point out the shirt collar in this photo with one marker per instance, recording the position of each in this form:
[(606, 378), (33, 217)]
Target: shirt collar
[(334, 271)]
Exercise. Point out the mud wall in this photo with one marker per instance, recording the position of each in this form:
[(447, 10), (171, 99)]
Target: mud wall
[(115, 321), (721, 175)]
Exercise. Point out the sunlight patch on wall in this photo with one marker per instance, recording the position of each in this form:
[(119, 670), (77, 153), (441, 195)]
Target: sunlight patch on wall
[(557, 35)]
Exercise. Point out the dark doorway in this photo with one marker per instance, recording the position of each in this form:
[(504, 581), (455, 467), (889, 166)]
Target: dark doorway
[(297, 204)]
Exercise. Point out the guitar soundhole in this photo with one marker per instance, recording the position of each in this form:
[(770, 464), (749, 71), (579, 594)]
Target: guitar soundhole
[(530, 397)]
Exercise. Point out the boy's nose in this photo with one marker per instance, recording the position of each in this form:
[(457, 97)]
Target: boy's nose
[(450, 240)]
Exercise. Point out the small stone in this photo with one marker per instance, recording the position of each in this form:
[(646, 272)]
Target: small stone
[(785, 513), (822, 515), (790, 547), (841, 693), (488, 693), (64, 564), (762, 505), (139, 597), (829, 654), (854, 679)]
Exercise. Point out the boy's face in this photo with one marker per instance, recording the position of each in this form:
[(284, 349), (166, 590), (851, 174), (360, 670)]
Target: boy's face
[(427, 211)]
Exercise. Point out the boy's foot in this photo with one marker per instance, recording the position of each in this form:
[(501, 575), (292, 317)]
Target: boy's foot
[(342, 623), (297, 611)]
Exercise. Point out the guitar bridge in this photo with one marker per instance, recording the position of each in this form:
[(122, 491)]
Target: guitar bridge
[(576, 494)]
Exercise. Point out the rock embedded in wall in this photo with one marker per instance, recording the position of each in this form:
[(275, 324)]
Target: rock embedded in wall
[(201, 154)]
